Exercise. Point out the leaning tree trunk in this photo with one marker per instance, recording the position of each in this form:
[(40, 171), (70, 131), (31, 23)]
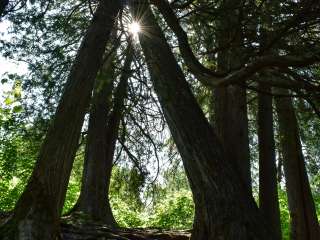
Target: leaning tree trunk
[(304, 222), (223, 207), (101, 139), (36, 215), (230, 103), (268, 193)]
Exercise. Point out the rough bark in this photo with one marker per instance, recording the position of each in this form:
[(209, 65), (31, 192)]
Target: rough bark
[(231, 101), (230, 111), (101, 139), (36, 215), (93, 201), (304, 222), (224, 209), (268, 193)]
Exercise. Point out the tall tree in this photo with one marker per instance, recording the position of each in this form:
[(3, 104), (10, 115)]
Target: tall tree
[(101, 139), (36, 215), (230, 102), (268, 193), (223, 207), (304, 222), (268, 186)]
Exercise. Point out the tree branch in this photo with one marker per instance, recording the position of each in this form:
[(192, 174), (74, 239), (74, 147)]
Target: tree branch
[(215, 79)]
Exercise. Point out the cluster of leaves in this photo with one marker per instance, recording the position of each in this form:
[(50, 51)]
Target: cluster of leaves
[(171, 207), (176, 211), (284, 214), (18, 147)]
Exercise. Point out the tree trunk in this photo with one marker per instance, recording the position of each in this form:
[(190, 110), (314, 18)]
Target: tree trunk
[(101, 140), (93, 200), (268, 192), (223, 207), (304, 222), (230, 103), (36, 215), (232, 127)]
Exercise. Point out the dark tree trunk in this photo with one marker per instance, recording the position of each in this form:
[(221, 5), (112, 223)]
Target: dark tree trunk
[(93, 200), (230, 103), (224, 209), (268, 193), (232, 128), (304, 222), (101, 140), (36, 215)]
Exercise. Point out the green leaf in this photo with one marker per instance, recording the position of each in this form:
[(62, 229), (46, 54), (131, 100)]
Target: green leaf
[(17, 109), (8, 101), (11, 76), (4, 80)]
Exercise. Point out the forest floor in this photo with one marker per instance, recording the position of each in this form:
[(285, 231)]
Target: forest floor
[(101, 232), (75, 230)]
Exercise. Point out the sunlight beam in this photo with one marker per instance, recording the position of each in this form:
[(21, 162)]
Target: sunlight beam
[(134, 28)]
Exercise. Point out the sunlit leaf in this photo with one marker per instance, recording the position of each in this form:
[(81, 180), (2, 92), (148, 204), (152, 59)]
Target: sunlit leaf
[(8, 101), (17, 109)]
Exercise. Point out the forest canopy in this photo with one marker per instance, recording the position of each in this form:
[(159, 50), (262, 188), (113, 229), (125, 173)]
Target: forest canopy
[(192, 115)]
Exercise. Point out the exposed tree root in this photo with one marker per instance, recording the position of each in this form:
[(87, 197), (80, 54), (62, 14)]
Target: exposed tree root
[(92, 231)]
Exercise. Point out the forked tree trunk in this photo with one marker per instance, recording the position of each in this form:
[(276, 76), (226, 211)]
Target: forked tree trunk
[(93, 201), (37, 212), (304, 222), (223, 207), (230, 103), (268, 192), (101, 139)]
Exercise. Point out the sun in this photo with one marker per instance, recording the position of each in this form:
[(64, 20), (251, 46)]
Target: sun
[(134, 28)]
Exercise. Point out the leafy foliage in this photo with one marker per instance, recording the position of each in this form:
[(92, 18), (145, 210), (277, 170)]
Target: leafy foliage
[(176, 211)]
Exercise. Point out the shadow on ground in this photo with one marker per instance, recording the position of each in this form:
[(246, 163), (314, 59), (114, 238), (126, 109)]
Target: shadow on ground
[(101, 232)]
